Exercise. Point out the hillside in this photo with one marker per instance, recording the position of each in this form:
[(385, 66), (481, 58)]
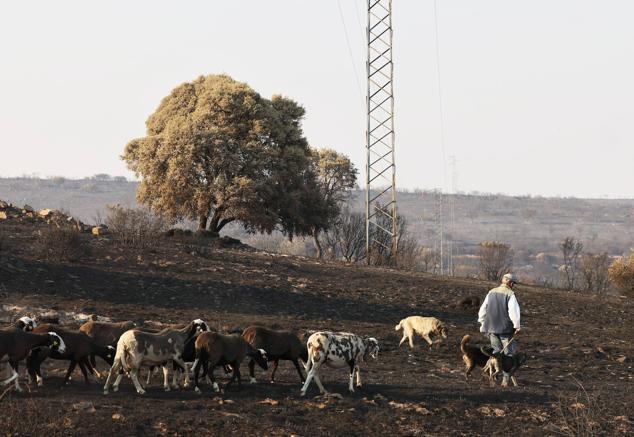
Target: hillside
[(574, 342), (531, 225)]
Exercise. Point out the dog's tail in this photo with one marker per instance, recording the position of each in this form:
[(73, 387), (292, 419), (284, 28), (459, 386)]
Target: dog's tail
[(397, 327), (463, 343), (487, 350)]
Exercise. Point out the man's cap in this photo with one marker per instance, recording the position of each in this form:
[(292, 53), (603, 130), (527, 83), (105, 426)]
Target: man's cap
[(511, 277)]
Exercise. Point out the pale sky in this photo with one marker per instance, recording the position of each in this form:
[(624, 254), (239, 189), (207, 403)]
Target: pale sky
[(537, 96)]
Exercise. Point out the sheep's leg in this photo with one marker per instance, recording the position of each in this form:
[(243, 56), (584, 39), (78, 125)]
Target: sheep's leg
[(71, 367), (301, 376), (236, 374), (149, 375), (33, 369), (210, 371), (350, 384), (322, 390), (275, 364), (16, 382), (11, 378), (356, 368), (196, 369), (166, 378), (312, 374), (178, 360), (84, 372), (134, 375), (252, 379), (113, 368)]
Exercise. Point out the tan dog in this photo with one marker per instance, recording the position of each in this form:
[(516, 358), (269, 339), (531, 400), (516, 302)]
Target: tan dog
[(423, 326)]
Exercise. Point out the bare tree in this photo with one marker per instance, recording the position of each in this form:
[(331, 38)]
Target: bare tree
[(430, 259), (494, 259), (594, 271), (346, 238), (571, 250)]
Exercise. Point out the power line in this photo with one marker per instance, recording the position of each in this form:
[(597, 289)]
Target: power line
[(354, 68)]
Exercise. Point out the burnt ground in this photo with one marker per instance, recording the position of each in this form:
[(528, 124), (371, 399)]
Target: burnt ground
[(578, 377)]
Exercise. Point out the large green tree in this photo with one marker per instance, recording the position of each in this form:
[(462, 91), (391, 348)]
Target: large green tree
[(217, 152)]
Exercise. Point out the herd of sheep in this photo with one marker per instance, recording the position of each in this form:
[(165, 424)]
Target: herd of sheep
[(179, 349)]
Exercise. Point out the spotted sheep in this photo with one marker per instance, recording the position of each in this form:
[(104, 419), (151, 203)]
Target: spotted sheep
[(79, 348), (337, 349), (15, 345), (136, 348), (279, 345), (214, 349)]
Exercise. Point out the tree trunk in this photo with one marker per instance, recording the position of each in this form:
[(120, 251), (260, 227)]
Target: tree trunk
[(215, 219), (320, 252), (202, 222)]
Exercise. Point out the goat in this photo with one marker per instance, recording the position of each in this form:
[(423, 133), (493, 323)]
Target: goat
[(279, 345), (338, 349), (214, 349), (136, 348), (25, 323), (79, 347), (15, 345)]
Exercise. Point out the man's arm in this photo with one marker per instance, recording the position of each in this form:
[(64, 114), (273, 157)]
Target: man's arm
[(483, 311), (514, 312)]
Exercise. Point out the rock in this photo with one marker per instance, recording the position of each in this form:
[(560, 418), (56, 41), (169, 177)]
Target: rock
[(27, 208), (3, 215), (118, 417), (3, 204), (99, 230), (622, 359), (85, 406), (45, 212)]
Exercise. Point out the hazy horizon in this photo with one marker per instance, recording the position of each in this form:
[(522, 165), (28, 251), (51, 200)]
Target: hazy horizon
[(537, 97)]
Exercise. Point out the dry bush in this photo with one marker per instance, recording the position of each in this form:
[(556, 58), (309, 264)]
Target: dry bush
[(135, 227), (621, 272), (594, 272), (61, 244), (581, 415), (494, 259)]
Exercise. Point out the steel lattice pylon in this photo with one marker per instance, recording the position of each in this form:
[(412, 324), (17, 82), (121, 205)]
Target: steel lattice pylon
[(381, 219)]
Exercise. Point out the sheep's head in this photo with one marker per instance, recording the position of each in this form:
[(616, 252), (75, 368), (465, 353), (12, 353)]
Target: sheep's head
[(201, 326), (57, 343), (371, 347), (260, 357), (110, 354), (26, 323)]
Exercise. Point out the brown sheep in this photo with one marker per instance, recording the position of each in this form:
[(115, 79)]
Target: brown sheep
[(214, 349), (279, 345)]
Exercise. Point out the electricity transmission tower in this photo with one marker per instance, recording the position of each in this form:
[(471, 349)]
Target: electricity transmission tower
[(380, 205)]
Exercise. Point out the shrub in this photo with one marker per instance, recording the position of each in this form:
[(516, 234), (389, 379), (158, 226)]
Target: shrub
[(494, 259), (621, 273), (62, 244), (135, 227)]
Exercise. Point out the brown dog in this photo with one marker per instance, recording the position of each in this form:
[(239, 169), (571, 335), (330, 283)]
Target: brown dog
[(472, 357)]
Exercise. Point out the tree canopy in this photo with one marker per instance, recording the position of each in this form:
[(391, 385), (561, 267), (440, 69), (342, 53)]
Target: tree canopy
[(216, 152)]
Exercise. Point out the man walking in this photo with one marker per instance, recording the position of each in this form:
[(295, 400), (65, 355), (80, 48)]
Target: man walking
[(499, 317)]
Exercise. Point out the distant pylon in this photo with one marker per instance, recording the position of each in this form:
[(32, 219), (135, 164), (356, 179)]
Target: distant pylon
[(380, 205)]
